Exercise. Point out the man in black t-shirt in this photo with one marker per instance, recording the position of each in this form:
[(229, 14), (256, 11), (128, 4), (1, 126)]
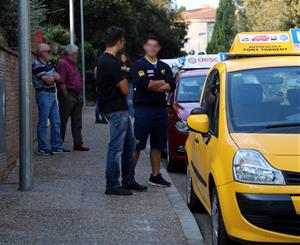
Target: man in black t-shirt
[(112, 88)]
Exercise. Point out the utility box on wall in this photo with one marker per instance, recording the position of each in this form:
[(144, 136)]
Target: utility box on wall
[(2, 117)]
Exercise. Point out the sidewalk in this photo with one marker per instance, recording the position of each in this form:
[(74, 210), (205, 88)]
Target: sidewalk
[(67, 204)]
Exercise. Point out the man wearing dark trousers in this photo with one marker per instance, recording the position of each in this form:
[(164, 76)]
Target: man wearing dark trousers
[(112, 88), (153, 80), (70, 96)]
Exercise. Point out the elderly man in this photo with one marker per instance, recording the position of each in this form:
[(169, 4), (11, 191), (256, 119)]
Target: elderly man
[(44, 79), (70, 96)]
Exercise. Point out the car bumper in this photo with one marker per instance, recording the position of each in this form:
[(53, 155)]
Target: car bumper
[(249, 215)]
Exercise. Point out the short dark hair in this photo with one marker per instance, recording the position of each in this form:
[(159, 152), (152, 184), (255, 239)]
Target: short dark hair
[(113, 35), (151, 37)]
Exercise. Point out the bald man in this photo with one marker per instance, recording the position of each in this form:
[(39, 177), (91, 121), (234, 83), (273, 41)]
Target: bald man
[(44, 79)]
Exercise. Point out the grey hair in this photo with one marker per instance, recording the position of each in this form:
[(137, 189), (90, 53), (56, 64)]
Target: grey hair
[(40, 47), (71, 48)]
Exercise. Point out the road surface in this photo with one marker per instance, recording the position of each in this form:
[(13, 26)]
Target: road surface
[(202, 219)]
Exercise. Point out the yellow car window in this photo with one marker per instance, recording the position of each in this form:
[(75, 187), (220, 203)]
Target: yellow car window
[(264, 99)]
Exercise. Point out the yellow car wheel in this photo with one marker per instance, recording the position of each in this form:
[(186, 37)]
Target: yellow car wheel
[(218, 231)]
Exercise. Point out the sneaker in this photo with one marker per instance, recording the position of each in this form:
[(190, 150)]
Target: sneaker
[(60, 151), (158, 180), (119, 191), (135, 186), (44, 152)]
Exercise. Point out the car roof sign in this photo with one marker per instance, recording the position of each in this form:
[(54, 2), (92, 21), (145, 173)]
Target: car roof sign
[(266, 44), (201, 61)]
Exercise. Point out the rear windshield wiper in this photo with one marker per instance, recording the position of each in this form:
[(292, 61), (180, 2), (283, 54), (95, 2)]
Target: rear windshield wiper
[(283, 125)]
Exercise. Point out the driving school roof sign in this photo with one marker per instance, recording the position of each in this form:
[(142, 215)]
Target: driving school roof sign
[(200, 61), (264, 43)]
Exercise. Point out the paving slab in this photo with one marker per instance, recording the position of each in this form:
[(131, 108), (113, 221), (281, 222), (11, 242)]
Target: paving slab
[(67, 204)]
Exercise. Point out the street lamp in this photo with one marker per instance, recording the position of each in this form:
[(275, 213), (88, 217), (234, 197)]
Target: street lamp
[(26, 160), (72, 39), (72, 29), (82, 49)]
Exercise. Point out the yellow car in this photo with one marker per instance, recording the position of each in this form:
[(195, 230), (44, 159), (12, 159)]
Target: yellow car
[(243, 149)]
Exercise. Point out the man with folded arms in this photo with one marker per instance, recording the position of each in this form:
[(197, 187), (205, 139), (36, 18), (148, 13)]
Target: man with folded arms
[(44, 78)]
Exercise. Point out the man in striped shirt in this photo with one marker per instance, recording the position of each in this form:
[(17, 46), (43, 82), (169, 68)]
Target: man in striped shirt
[(44, 79)]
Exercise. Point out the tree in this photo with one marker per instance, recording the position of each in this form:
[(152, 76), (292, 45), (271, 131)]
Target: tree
[(270, 15), (224, 30), (9, 18), (138, 17)]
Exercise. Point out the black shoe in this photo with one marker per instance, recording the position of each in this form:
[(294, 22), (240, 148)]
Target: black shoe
[(158, 180), (135, 186), (104, 121), (120, 191)]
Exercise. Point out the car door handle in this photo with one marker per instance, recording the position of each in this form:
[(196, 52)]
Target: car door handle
[(197, 141)]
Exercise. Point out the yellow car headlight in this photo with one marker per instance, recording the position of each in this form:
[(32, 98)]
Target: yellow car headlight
[(250, 166)]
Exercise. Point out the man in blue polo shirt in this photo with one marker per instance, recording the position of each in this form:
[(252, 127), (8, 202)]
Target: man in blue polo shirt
[(44, 77), (153, 79)]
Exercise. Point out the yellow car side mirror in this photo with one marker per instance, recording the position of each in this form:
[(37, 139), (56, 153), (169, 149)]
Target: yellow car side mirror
[(198, 123)]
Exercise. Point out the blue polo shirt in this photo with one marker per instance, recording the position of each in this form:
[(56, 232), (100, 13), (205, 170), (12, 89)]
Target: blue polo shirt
[(143, 71), (40, 69)]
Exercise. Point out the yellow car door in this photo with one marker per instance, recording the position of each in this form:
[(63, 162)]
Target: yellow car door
[(205, 144), (199, 162)]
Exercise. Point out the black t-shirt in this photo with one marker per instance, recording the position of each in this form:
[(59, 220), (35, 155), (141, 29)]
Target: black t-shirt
[(109, 74), (143, 71)]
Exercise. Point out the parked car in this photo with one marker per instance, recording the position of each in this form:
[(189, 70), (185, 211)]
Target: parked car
[(243, 150), (181, 102)]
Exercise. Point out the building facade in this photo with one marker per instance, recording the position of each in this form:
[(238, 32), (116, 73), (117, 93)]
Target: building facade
[(201, 23)]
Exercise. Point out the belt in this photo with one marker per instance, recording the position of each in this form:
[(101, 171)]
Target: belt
[(49, 90)]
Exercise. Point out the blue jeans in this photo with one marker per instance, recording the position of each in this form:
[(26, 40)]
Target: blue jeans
[(48, 109), (121, 147), (129, 99)]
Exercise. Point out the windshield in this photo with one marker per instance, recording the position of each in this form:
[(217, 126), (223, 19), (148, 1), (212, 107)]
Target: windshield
[(189, 89), (261, 99)]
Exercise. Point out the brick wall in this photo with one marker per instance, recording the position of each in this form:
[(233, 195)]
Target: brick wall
[(9, 61)]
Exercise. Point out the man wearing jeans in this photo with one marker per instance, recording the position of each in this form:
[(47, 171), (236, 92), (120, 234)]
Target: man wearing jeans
[(44, 77), (112, 88)]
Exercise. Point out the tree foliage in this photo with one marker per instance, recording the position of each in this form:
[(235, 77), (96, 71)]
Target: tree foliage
[(270, 15), (58, 34), (138, 17), (9, 18), (224, 30)]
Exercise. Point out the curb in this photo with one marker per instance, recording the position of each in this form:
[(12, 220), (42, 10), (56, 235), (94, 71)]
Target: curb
[(187, 220)]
